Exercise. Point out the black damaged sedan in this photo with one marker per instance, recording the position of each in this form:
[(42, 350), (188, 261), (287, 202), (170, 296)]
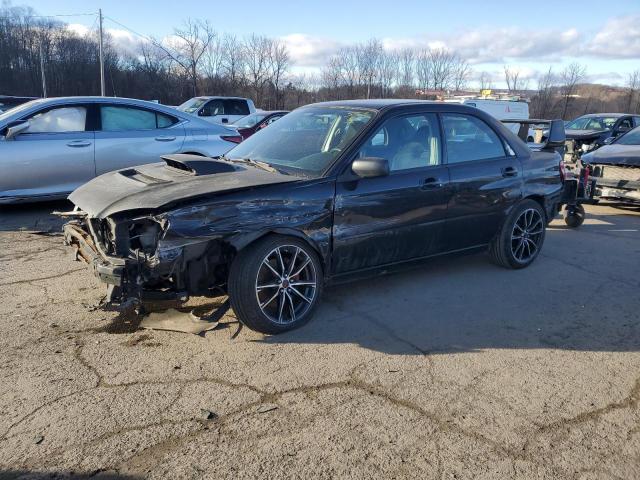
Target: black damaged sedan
[(331, 191)]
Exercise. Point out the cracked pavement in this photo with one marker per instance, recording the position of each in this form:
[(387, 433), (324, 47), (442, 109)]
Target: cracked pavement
[(455, 369)]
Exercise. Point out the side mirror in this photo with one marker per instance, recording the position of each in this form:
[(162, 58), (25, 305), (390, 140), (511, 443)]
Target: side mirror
[(370, 167), (556, 136), (16, 129), (609, 140)]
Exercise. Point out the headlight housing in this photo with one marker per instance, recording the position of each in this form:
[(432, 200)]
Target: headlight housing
[(144, 235)]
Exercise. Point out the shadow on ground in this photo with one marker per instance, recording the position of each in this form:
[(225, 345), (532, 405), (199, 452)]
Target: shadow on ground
[(35, 217)]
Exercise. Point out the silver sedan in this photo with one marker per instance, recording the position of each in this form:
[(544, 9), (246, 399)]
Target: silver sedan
[(49, 147)]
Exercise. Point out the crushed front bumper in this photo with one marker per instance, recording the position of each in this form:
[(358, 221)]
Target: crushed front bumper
[(110, 270), (617, 189)]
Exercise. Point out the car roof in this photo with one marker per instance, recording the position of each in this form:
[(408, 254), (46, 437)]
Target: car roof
[(591, 115), (212, 97), (374, 104)]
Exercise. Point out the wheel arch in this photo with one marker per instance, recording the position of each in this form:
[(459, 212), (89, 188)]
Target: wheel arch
[(240, 243), (540, 199)]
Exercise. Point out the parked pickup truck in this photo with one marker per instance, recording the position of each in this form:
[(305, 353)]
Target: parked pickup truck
[(331, 191), (219, 109)]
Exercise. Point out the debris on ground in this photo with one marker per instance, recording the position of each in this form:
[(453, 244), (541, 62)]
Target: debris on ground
[(207, 414), (177, 321), (188, 322), (269, 407)]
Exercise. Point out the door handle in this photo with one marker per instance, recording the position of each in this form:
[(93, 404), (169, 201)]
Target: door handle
[(79, 143), (430, 183), (509, 172), (165, 139)]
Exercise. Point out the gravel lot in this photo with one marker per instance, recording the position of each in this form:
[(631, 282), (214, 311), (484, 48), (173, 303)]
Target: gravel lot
[(458, 369)]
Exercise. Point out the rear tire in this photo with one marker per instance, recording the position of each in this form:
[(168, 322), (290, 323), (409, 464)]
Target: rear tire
[(521, 237), (574, 215), (275, 284)]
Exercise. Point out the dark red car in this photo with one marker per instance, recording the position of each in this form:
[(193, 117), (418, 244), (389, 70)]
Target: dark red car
[(250, 124)]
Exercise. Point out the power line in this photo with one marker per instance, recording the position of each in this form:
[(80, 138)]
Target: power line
[(149, 39)]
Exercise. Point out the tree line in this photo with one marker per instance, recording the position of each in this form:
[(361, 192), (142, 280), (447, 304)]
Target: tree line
[(198, 60)]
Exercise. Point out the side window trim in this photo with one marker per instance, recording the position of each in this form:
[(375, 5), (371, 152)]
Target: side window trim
[(444, 142)]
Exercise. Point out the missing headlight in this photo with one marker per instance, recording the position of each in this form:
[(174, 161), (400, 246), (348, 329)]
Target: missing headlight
[(143, 236)]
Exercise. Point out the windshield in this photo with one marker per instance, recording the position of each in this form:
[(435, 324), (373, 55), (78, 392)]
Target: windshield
[(630, 138), (192, 104), (592, 123), (305, 141), (250, 120)]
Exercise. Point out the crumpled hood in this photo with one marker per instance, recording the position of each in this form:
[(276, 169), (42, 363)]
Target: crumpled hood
[(584, 134), (615, 155), (158, 185)]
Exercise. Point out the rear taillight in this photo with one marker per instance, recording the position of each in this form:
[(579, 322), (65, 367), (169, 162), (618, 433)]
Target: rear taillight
[(232, 138), (563, 171)]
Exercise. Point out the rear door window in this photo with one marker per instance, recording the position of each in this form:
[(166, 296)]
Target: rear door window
[(59, 120), (213, 108), (120, 118), (469, 139), (236, 107)]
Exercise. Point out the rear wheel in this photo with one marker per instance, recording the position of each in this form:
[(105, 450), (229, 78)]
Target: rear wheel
[(521, 237), (574, 215), (275, 284)]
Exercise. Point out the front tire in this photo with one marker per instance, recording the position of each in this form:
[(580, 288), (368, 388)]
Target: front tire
[(275, 284), (521, 237)]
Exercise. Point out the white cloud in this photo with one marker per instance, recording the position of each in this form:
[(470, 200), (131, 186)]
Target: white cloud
[(618, 38), (122, 40), (308, 51)]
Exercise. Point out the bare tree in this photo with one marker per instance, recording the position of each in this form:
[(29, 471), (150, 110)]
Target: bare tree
[(485, 81), (279, 64), (633, 89), (233, 59), (543, 101), (511, 78), (187, 47), (368, 58), (387, 71), (461, 73), (257, 50), (407, 67), (569, 78)]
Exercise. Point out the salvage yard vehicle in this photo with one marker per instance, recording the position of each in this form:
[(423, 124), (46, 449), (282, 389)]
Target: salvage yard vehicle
[(221, 110), (250, 124), (578, 187), (615, 168), (589, 132), (51, 146), (330, 192)]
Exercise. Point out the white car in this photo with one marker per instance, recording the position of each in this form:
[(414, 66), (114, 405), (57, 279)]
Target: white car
[(221, 110)]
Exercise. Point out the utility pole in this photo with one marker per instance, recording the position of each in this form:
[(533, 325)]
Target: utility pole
[(42, 75), (101, 56)]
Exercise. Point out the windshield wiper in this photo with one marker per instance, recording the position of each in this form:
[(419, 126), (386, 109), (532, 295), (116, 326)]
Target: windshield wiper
[(263, 165)]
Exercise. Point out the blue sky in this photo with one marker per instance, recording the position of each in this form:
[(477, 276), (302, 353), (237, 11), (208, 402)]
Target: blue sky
[(531, 35)]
